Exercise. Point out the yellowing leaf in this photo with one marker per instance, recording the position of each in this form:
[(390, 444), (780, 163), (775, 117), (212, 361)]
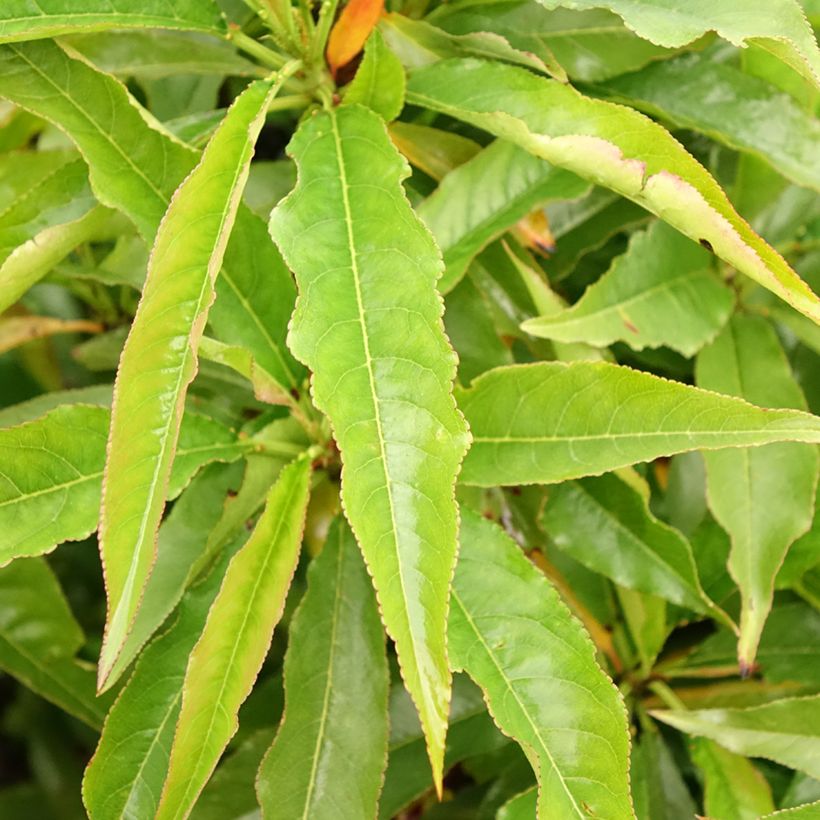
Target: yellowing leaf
[(351, 30)]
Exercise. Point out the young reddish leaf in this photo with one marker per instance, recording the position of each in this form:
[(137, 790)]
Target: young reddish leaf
[(357, 20)]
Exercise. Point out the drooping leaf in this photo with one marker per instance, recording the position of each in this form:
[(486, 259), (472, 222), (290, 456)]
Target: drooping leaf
[(785, 731), (135, 167), (228, 655), (379, 81), (485, 196), (657, 784), (155, 54), (39, 638), (434, 151), (733, 788), (351, 30), (547, 422), (471, 731), (607, 526), (17, 330), (382, 371), (612, 146), (30, 19), (159, 360), (732, 107), (417, 43), (778, 26), (660, 292), (764, 498), (511, 633), (590, 45), (52, 468), (124, 778), (329, 754)]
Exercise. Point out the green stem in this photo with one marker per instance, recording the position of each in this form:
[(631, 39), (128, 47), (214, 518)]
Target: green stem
[(266, 56), (665, 693), (327, 15)]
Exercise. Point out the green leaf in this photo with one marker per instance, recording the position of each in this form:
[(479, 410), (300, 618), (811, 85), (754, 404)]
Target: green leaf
[(39, 637), (27, 20), (657, 784), (379, 82), (382, 371), (479, 200), (512, 634), (733, 788), (124, 778), (434, 151), (660, 292), (612, 146), (417, 44), (607, 526), (156, 54), (159, 360), (547, 422), (778, 26), (470, 732), (136, 167), (784, 731), (590, 45), (740, 113), (52, 468), (522, 807), (329, 755), (810, 811), (764, 498), (229, 654), (98, 394)]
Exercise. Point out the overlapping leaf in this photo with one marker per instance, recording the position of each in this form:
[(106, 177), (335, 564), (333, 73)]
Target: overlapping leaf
[(136, 167), (612, 146), (485, 196), (229, 654), (329, 754), (764, 498), (160, 359), (30, 19), (551, 421), (379, 81), (779, 26), (661, 292), (382, 371), (512, 634), (52, 467), (785, 731)]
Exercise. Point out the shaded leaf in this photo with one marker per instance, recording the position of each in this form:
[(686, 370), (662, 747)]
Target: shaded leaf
[(159, 360), (522, 807), (537, 668), (382, 371), (434, 151), (612, 146), (784, 730), (764, 498), (479, 200), (232, 647), (547, 422), (657, 784), (17, 330), (330, 751), (660, 292)]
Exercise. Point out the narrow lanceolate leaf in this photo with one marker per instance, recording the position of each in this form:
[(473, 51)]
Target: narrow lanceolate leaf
[(39, 637), (379, 82), (786, 731), (612, 146), (382, 371), (764, 498), (547, 422), (26, 20), (778, 26), (521, 807), (484, 197), (740, 111), (351, 30), (51, 474), (660, 292), (607, 526), (512, 634), (733, 788), (159, 360), (124, 778), (329, 754), (135, 167), (228, 655)]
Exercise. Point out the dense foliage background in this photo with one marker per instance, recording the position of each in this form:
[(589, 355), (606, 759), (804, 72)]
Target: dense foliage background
[(455, 288)]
